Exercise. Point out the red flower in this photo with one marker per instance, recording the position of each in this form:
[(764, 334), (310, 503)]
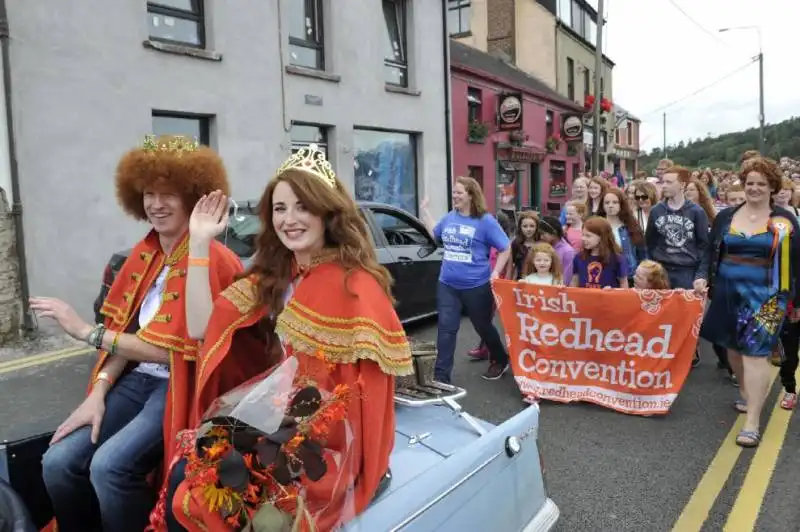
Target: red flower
[(588, 102), (605, 105)]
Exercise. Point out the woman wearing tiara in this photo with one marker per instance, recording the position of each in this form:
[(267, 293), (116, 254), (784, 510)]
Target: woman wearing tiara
[(315, 291)]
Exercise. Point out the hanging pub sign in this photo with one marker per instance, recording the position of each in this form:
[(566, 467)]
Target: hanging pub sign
[(572, 127), (509, 111)]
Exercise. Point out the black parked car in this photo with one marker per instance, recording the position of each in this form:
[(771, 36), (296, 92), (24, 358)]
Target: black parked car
[(402, 242)]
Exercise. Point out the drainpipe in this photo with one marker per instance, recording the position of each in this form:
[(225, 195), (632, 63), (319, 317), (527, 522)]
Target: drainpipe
[(16, 202), (448, 131)]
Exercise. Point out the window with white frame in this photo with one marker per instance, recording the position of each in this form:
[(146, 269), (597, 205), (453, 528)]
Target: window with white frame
[(395, 59), (306, 46), (458, 16)]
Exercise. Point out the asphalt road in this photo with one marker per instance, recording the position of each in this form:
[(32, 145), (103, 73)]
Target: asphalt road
[(606, 471)]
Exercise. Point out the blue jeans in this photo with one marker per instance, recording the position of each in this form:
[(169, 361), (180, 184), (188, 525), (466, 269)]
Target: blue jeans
[(680, 277), (479, 305), (104, 486)]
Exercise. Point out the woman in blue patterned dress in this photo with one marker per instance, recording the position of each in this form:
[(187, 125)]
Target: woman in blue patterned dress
[(755, 258)]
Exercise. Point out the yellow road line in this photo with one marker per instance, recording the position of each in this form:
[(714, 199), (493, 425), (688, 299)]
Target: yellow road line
[(43, 358), (744, 513), (696, 511)]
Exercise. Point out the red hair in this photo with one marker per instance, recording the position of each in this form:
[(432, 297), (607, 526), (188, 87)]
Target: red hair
[(607, 249), (626, 216)]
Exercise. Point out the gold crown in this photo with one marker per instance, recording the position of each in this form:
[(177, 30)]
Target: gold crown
[(177, 144), (310, 160)]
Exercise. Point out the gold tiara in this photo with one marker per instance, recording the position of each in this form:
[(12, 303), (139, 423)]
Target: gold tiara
[(178, 144), (312, 161)]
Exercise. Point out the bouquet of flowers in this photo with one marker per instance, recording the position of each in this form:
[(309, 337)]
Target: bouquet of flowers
[(260, 446)]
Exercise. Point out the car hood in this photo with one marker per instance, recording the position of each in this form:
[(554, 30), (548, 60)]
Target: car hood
[(437, 427)]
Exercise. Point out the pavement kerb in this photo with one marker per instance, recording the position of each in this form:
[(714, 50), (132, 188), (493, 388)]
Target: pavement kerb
[(43, 358)]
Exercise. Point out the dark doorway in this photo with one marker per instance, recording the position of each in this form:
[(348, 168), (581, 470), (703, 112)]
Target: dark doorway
[(535, 188)]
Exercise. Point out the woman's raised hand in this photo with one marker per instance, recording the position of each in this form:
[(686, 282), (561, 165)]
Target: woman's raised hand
[(209, 217)]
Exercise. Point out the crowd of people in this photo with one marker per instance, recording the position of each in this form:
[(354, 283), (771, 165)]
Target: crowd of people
[(732, 236)]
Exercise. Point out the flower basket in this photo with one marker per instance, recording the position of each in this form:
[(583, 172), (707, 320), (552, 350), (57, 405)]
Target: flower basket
[(588, 102), (573, 148), (553, 144), (606, 105), (478, 131)]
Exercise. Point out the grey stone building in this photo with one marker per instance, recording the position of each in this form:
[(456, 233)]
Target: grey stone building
[(252, 78)]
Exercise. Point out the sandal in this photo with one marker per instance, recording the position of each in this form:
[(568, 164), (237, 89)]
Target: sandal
[(740, 405), (748, 438)]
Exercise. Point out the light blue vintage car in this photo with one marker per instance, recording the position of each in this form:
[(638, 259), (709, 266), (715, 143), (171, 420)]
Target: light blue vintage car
[(451, 472)]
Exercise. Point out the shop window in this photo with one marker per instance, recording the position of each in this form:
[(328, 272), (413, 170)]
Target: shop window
[(306, 46), (508, 188), (386, 168), (548, 124), (476, 173), (177, 21), (558, 179), (395, 55), (191, 126), (305, 134), (629, 130), (458, 16)]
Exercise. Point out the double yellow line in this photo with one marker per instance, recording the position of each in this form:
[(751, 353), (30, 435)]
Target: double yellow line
[(43, 358), (744, 514)]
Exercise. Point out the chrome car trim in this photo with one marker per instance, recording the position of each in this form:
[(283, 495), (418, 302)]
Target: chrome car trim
[(405, 400), (418, 438), (408, 520)]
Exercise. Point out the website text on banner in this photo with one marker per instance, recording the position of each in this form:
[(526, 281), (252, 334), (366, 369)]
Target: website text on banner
[(629, 350)]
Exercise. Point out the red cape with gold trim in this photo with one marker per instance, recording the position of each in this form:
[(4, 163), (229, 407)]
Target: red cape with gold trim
[(350, 319)]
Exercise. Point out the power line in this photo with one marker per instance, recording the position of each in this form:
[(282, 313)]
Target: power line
[(701, 89), (693, 21)]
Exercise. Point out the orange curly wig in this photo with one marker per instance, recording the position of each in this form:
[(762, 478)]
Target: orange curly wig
[(189, 174)]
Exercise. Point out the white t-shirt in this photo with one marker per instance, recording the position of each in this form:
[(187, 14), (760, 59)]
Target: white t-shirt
[(536, 278), (150, 305)]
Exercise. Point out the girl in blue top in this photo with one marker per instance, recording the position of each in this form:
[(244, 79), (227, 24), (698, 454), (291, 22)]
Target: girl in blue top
[(626, 230), (468, 233)]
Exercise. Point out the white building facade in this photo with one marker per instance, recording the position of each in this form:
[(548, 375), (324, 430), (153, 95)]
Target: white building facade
[(252, 78)]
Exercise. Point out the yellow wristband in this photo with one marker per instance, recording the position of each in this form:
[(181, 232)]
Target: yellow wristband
[(201, 262)]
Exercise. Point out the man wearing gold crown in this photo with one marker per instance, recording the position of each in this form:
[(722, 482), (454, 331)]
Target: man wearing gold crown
[(100, 459), (315, 293)]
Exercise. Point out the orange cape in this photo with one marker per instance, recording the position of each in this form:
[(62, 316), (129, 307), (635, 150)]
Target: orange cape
[(168, 328), (350, 319)]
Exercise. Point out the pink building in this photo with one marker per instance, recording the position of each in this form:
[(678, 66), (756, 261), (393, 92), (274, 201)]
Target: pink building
[(507, 133)]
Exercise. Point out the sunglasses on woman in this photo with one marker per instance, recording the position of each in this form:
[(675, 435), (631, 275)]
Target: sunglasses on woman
[(640, 198)]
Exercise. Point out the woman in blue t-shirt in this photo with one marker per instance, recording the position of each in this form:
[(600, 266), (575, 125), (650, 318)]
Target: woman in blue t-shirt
[(468, 233)]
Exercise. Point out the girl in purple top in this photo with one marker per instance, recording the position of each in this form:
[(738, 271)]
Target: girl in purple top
[(600, 264)]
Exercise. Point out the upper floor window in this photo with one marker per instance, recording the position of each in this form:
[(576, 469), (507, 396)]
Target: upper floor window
[(177, 21), (586, 90), (564, 9), (396, 56), (630, 133), (602, 87), (549, 123), (458, 16), (187, 125), (474, 104), (570, 78), (306, 47)]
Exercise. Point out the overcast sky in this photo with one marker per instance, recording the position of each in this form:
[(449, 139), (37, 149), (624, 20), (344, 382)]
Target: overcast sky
[(662, 56)]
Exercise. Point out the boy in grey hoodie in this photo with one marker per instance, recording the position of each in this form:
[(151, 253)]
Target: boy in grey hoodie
[(677, 234)]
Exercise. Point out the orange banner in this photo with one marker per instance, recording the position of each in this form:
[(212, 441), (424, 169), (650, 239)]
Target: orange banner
[(629, 350)]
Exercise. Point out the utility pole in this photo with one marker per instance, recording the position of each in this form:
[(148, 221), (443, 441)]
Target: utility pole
[(665, 136), (598, 69), (761, 140)]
